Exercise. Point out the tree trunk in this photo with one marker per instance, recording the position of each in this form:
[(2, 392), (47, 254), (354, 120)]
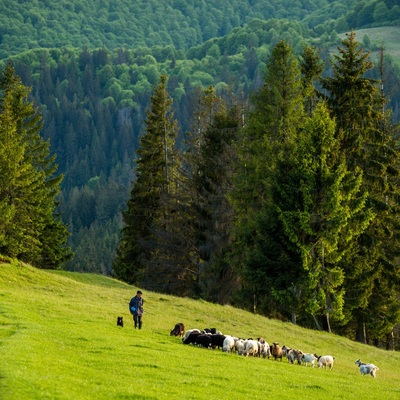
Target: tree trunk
[(317, 323), (361, 335), (326, 324), (390, 341), (294, 321)]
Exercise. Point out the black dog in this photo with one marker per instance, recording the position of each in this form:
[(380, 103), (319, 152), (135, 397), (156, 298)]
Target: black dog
[(120, 321)]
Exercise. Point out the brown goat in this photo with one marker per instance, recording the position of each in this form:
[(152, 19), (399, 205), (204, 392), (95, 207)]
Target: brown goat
[(276, 351)]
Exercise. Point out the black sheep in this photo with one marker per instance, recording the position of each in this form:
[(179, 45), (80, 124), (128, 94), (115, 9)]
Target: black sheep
[(191, 338), (217, 340), (204, 340)]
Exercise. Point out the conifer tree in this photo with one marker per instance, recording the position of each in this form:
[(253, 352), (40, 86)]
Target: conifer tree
[(330, 213), (150, 251), (37, 234), (370, 143), (209, 162), (269, 135), (354, 100), (11, 169), (311, 70), (212, 182)]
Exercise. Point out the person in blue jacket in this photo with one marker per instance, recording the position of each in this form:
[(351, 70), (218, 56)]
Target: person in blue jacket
[(136, 309)]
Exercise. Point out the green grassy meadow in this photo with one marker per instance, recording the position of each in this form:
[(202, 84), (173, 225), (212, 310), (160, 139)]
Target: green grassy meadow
[(386, 36), (59, 340)]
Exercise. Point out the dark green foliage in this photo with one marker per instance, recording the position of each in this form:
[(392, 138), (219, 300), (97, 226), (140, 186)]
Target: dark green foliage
[(211, 159), (31, 230), (152, 250), (374, 13), (370, 143), (267, 263), (311, 70), (94, 101), (317, 198), (121, 23)]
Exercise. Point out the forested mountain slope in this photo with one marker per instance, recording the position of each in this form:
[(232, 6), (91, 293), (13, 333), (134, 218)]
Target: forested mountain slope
[(124, 23)]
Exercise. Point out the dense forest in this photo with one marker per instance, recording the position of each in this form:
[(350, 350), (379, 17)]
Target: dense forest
[(93, 67)]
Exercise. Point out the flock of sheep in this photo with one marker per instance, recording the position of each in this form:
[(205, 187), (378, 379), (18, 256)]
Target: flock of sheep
[(210, 338)]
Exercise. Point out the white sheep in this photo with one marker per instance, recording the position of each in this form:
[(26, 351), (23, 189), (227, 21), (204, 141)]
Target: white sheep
[(250, 348), (264, 349), (229, 344), (325, 362), (366, 369), (239, 345), (309, 358)]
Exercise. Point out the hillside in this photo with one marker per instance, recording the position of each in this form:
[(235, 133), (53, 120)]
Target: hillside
[(123, 23), (59, 340)]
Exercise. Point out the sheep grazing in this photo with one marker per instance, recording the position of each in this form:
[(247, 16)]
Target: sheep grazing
[(308, 358), (203, 340), (366, 369), (217, 340), (179, 330), (276, 351), (228, 344), (285, 351), (188, 332), (298, 354), (239, 345), (250, 348), (191, 338), (263, 348), (292, 355), (325, 362)]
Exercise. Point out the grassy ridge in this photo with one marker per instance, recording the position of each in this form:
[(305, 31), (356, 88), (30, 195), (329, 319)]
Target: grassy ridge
[(59, 340), (388, 36)]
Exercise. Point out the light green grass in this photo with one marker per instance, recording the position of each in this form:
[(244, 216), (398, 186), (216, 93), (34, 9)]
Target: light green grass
[(59, 340), (386, 36)]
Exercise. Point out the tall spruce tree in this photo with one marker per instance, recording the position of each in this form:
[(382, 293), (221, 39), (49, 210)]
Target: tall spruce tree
[(11, 169), (209, 160), (311, 70), (151, 251), (269, 135), (216, 216), (36, 234), (370, 144), (330, 213)]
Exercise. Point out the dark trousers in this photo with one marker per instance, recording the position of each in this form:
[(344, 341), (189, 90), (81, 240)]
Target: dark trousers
[(138, 321)]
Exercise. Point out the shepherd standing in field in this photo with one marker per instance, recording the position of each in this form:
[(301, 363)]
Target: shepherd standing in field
[(136, 309)]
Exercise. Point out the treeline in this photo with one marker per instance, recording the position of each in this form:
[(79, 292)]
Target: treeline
[(288, 207)]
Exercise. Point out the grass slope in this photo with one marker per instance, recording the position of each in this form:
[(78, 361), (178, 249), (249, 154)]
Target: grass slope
[(388, 36), (59, 340)]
